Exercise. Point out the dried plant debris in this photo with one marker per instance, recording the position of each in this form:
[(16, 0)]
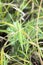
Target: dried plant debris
[(35, 59)]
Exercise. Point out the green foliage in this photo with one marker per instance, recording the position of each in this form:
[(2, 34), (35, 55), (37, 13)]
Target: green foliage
[(23, 33)]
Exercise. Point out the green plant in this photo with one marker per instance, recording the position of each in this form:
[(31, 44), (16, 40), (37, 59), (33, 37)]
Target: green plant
[(23, 35)]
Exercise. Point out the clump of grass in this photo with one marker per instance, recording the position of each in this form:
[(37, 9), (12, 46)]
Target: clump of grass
[(22, 21)]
